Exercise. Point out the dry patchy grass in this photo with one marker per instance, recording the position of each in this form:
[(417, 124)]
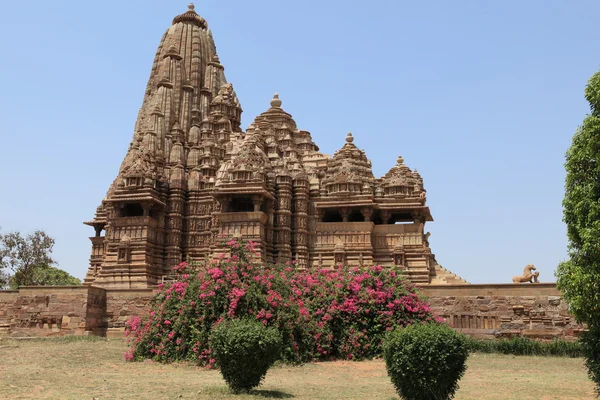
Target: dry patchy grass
[(66, 369)]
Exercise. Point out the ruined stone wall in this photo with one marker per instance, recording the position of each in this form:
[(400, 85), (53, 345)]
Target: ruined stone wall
[(7, 301), (52, 311), (484, 311), (504, 310), (95, 320), (121, 304), (70, 310)]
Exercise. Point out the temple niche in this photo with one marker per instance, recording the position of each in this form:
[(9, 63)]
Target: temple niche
[(192, 180)]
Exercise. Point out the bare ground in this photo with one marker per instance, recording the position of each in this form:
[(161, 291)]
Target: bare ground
[(53, 369)]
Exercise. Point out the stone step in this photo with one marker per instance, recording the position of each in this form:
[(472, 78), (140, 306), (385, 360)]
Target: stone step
[(4, 330), (445, 277)]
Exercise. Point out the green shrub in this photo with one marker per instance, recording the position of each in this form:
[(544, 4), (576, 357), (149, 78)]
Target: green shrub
[(320, 313), (521, 346), (425, 361), (564, 348), (245, 349)]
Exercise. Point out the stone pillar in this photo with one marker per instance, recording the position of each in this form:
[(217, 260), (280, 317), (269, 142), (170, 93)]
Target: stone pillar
[(420, 222), (174, 228), (269, 233), (385, 217), (197, 225), (344, 212), (300, 236), (282, 247), (257, 203), (366, 212)]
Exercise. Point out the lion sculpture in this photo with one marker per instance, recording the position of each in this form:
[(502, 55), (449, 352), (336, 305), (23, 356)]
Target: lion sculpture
[(528, 275)]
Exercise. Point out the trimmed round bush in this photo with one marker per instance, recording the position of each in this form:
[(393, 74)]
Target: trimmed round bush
[(245, 350), (425, 361)]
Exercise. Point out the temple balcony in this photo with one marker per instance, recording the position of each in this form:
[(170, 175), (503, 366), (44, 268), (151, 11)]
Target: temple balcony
[(246, 225)]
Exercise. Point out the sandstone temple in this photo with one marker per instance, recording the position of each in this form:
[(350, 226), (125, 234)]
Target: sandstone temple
[(192, 179)]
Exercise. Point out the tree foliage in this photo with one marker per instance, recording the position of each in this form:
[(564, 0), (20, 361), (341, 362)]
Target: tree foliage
[(579, 277), (27, 261)]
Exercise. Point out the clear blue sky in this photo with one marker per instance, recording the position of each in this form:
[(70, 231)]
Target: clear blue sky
[(482, 97)]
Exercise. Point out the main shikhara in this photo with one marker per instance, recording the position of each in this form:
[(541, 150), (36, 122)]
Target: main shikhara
[(193, 180)]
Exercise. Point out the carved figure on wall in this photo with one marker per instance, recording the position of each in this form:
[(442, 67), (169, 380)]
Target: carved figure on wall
[(528, 275)]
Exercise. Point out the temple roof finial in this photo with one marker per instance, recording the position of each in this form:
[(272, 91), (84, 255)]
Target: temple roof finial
[(349, 137), (400, 160), (191, 17), (276, 103)]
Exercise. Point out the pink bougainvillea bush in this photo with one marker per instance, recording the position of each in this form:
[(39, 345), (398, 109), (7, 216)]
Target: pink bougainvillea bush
[(321, 314)]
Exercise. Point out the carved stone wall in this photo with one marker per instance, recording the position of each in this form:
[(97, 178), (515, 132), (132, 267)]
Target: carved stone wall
[(484, 311), (53, 311), (504, 310), (121, 304)]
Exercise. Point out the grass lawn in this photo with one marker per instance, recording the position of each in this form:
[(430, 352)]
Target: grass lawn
[(55, 369)]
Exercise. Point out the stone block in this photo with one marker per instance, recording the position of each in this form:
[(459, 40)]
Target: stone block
[(560, 322), (542, 333), (508, 333), (554, 300), (519, 309), (115, 333), (513, 326)]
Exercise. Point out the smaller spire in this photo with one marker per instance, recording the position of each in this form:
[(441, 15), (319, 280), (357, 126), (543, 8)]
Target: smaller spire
[(276, 103), (157, 111), (349, 137), (173, 53)]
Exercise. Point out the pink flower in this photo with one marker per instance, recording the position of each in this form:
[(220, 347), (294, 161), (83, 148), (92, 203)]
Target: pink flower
[(215, 273), (128, 355)]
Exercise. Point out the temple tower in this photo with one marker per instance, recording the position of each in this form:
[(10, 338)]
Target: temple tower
[(163, 186), (192, 180)]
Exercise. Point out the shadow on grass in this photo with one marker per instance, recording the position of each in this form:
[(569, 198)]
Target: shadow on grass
[(219, 391), (271, 394)]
